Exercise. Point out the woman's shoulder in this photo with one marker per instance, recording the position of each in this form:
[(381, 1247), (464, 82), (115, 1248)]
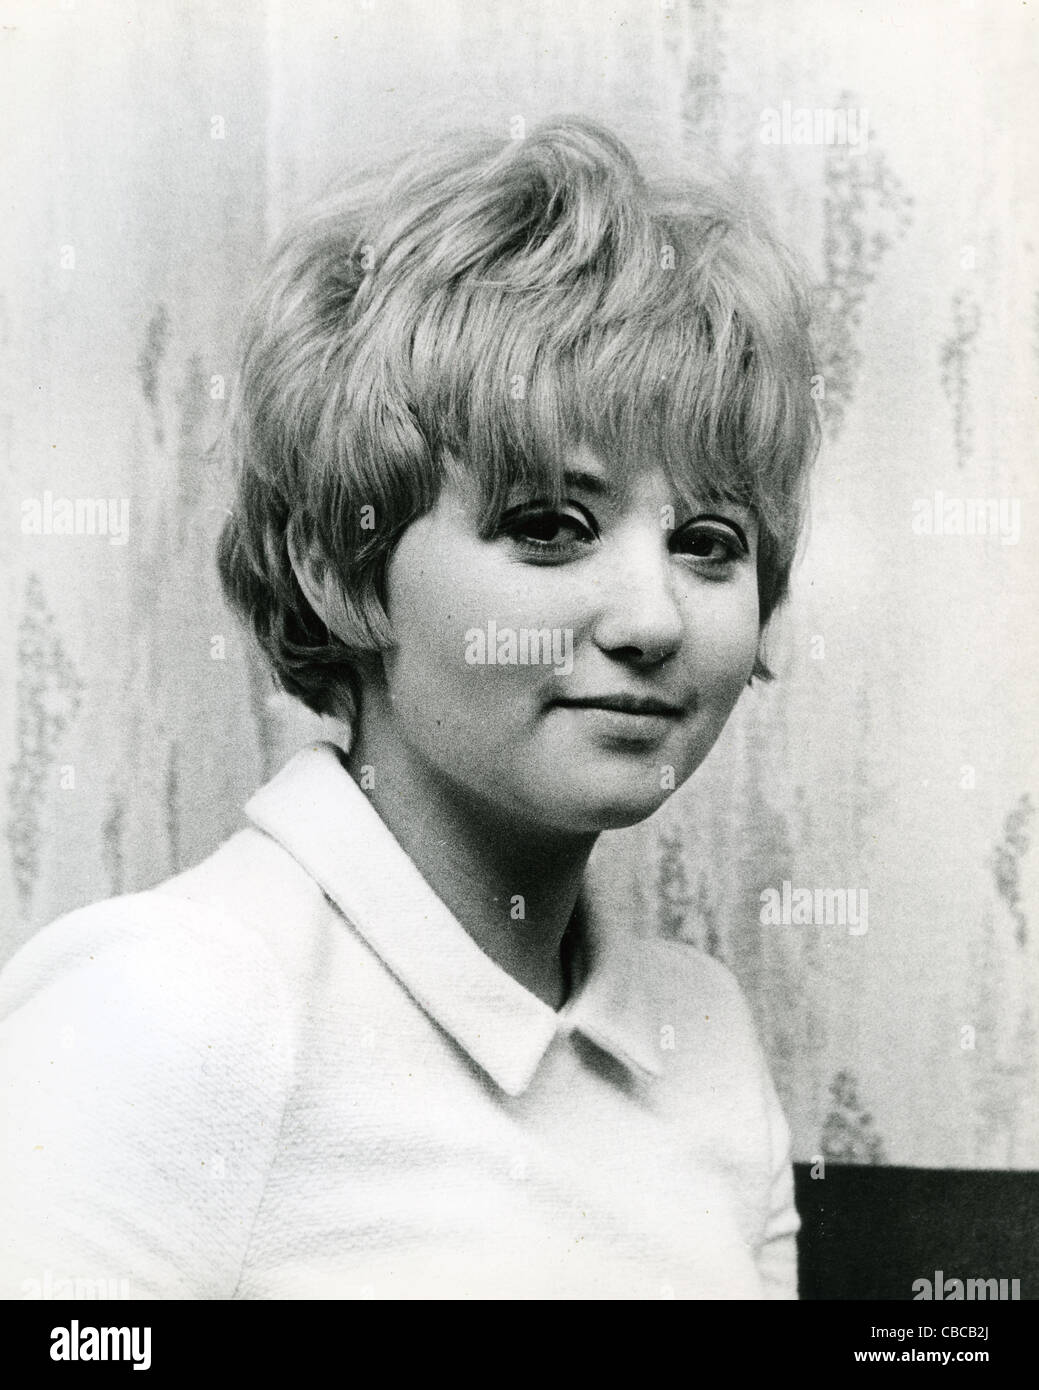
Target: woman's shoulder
[(702, 1001), (694, 979), (192, 952), (148, 1045), (145, 958)]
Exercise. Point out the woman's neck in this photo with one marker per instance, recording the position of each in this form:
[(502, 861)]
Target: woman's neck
[(512, 886)]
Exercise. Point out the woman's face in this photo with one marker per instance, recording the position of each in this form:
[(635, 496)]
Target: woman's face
[(574, 668)]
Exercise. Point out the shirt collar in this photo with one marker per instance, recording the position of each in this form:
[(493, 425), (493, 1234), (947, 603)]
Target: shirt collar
[(316, 811)]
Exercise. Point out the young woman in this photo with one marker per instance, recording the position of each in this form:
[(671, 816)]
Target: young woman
[(520, 443)]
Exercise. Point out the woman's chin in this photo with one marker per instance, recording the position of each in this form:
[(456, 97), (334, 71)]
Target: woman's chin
[(595, 813)]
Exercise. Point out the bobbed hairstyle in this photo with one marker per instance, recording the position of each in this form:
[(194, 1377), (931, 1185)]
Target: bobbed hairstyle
[(484, 306)]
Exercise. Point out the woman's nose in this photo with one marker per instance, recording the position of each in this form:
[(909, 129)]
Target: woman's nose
[(640, 619)]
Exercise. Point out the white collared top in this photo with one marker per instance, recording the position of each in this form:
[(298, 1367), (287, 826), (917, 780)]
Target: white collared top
[(291, 1073)]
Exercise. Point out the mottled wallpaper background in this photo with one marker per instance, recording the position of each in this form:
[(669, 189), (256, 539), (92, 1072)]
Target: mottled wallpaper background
[(152, 152)]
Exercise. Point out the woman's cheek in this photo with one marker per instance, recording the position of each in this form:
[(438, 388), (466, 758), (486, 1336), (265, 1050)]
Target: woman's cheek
[(723, 638), (434, 688)]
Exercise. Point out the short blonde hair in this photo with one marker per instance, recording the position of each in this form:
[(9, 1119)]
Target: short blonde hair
[(487, 304)]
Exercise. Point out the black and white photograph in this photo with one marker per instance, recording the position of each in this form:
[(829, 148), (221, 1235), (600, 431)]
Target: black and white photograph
[(518, 723)]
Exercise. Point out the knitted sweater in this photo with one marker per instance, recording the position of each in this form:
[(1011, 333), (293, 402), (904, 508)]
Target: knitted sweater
[(291, 1073)]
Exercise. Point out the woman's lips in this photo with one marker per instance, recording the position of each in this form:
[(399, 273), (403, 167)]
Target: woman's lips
[(624, 704), (631, 719)]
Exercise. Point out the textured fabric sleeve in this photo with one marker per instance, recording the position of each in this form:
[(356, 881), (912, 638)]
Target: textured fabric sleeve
[(777, 1258), (726, 1103), (145, 1058)]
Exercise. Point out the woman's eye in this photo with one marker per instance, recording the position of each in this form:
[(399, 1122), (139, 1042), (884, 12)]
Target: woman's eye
[(713, 547), (549, 532)]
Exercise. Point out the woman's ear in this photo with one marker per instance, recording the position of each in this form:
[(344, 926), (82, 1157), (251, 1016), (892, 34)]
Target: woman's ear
[(320, 585), (762, 671), (323, 588)]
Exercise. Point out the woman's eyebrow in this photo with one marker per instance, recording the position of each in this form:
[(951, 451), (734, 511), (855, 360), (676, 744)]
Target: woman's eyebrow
[(716, 507), (581, 480)]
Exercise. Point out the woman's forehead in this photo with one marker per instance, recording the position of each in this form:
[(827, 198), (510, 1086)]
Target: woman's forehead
[(613, 478)]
